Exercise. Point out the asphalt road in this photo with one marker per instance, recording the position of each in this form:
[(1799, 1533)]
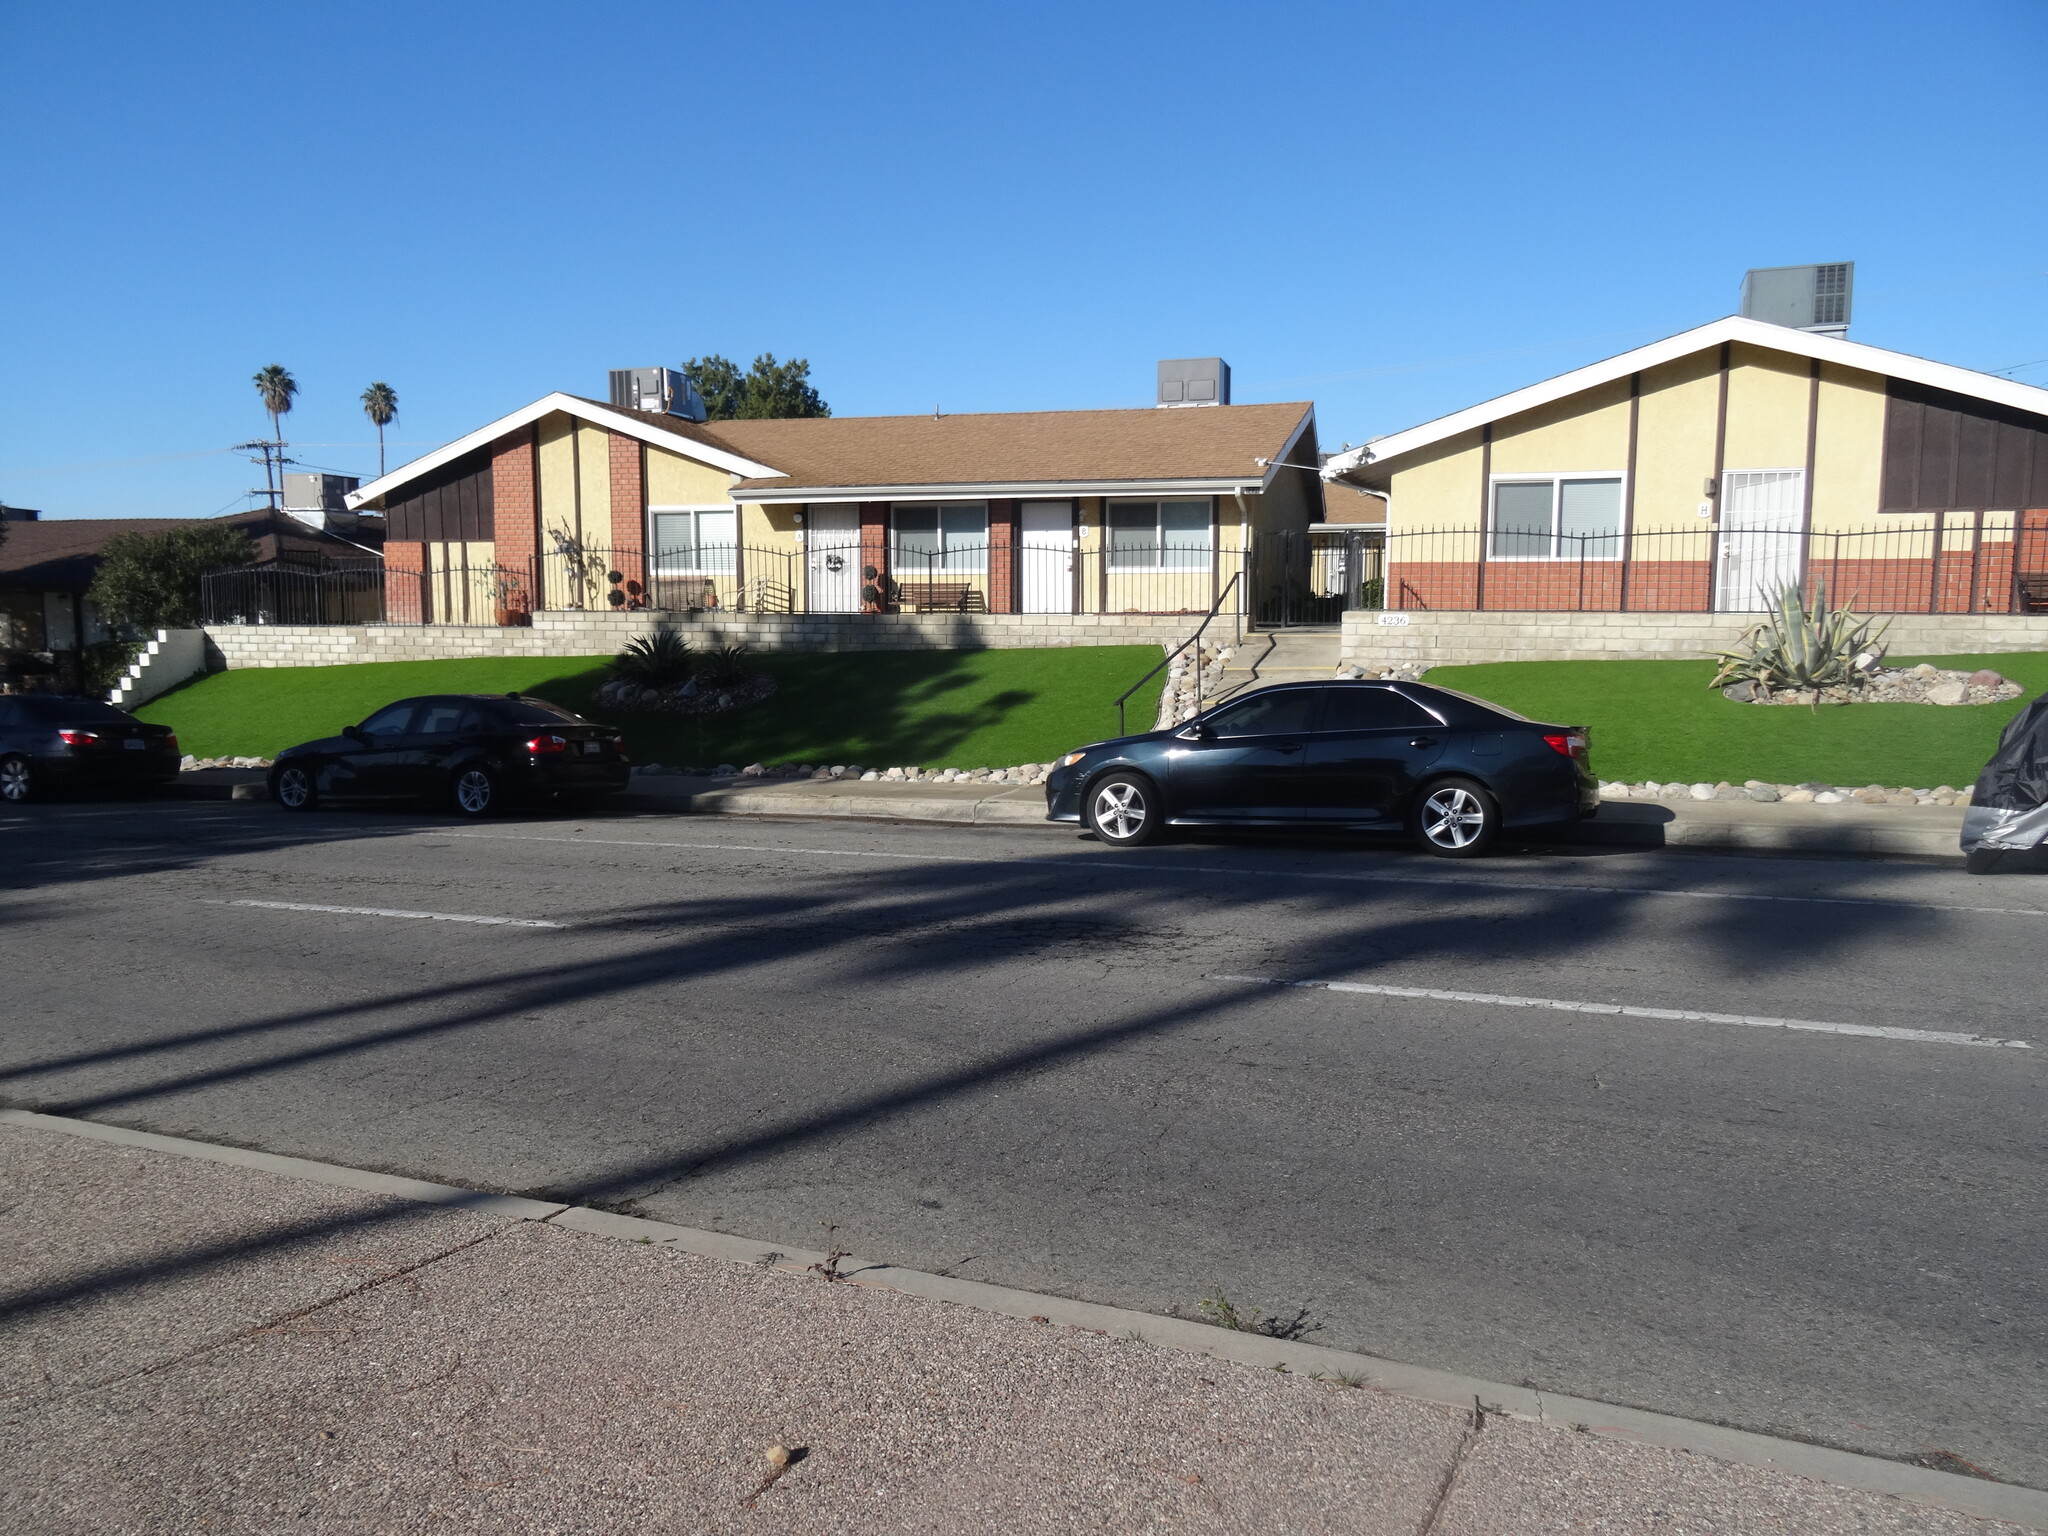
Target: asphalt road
[(1007, 1054)]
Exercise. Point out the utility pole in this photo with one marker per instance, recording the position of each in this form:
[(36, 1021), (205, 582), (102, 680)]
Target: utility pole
[(274, 461)]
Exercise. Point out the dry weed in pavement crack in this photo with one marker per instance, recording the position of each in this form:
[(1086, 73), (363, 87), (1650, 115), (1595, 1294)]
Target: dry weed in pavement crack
[(829, 1268), (1221, 1312)]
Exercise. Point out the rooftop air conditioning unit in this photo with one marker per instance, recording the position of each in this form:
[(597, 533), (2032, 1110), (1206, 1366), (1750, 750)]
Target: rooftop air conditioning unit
[(667, 391), (1806, 298), (1194, 381)]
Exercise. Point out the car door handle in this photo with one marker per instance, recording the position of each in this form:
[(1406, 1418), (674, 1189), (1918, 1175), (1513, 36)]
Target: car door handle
[(1287, 746), (1419, 742)]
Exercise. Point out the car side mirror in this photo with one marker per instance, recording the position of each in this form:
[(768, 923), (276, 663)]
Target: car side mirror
[(354, 733), (1196, 732)]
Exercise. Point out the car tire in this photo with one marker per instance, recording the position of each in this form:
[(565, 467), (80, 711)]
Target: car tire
[(1455, 819), (1125, 810), (473, 791), (17, 780), (293, 788), (1978, 861)]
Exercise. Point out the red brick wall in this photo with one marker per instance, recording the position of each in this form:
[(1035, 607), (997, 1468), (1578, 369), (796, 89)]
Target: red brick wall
[(405, 583), (1002, 559), (629, 515), (515, 502), (874, 549)]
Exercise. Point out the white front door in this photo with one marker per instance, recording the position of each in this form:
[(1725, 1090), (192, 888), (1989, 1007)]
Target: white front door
[(1760, 516), (832, 539), (1047, 550)]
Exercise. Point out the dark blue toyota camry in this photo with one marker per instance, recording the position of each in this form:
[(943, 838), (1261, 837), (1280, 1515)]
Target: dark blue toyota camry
[(1452, 771)]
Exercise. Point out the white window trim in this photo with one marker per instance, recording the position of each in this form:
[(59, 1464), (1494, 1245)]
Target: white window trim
[(1158, 565), (656, 565), (941, 569), (1555, 478)]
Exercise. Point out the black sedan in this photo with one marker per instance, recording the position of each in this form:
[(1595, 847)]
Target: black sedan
[(1452, 771), (472, 752), (48, 741)]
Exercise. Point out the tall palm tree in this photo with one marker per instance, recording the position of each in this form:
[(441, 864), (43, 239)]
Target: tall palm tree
[(277, 387), (380, 404)]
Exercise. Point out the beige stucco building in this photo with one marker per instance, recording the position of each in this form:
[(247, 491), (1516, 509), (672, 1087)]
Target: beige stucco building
[(1707, 470)]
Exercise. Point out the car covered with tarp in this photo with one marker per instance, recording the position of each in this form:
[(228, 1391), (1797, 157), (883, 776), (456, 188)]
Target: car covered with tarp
[(2008, 809)]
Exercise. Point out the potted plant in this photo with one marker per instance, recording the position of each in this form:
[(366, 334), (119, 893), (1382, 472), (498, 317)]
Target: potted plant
[(508, 598)]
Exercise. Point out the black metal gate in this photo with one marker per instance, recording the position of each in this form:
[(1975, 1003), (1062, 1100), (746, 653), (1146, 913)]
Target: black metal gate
[(1312, 578)]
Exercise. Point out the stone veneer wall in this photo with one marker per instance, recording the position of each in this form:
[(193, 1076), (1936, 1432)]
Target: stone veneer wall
[(1446, 638), (604, 634)]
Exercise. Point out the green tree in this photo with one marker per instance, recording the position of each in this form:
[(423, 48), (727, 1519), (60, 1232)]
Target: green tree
[(277, 387), (380, 404), (151, 581), (767, 389)]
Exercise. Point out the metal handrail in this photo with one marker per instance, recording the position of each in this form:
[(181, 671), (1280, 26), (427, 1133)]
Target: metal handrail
[(1214, 609)]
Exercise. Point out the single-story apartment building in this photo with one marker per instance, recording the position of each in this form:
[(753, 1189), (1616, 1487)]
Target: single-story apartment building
[(1702, 472), (579, 503), (48, 564)]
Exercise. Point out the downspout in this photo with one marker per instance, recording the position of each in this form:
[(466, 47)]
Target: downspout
[(1244, 563)]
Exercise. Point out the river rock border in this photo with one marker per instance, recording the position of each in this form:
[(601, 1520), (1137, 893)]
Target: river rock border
[(1809, 793), (1023, 773)]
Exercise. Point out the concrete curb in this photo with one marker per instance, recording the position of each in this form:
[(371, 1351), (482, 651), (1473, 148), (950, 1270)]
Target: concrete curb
[(1844, 831), (1849, 1469)]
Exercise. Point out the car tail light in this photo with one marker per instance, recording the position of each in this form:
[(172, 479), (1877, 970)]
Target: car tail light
[(78, 738), (545, 744), (171, 741), (1567, 744), (619, 746)]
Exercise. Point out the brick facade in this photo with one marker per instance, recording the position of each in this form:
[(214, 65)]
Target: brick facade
[(874, 551), (1002, 557), (406, 600), (628, 458), (515, 493)]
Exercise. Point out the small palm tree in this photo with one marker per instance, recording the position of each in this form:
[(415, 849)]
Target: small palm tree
[(380, 404), (277, 387)]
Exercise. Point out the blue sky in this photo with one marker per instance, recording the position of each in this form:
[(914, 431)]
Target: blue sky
[(1394, 211)]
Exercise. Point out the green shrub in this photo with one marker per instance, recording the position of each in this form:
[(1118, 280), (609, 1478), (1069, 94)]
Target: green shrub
[(1798, 647), (659, 660), (151, 581), (107, 662), (724, 667)]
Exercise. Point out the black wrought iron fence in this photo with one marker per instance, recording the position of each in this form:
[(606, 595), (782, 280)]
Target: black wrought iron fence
[(283, 594)]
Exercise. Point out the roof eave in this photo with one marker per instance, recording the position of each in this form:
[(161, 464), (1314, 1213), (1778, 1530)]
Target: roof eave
[(597, 415), (1761, 333), (983, 490)]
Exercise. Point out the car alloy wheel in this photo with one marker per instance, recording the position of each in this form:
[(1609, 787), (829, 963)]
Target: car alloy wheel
[(16, 781), (475, 791), (1122, 811), (293, 789), (1456, 820)]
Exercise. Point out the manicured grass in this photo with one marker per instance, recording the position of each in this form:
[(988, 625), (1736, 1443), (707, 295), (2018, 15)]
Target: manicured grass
[(1660, 720), (961, 709)]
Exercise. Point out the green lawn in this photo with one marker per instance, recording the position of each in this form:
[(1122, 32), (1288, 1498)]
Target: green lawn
[(1660, 720), (936, 709)]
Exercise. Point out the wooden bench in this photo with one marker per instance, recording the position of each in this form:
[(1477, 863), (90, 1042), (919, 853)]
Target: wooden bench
[(940, 597)]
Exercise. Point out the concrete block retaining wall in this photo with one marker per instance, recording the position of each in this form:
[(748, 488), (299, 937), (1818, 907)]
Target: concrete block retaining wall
[(604, 634), (1449, 637)]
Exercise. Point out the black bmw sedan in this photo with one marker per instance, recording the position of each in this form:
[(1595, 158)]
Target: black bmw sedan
[(1452, 771), (48, 741), (472, 752)]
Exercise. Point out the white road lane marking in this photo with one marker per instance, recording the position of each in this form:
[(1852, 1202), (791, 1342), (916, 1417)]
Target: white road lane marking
[(1675, 1015), (432, 917), (1115, 861)]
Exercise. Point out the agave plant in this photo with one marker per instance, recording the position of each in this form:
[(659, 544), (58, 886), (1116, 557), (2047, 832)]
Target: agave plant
[(1799, 647), (723, 667), (659, 660)]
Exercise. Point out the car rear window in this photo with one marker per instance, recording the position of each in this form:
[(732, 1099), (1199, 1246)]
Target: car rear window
[(532, 712), (1425, 689), (84, 711)]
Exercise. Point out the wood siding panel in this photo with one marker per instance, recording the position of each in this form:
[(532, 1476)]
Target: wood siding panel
[(453, 503), (1950, 453)]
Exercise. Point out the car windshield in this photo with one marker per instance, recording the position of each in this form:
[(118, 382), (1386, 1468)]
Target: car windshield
[(84, 711), (533, 712), (1470, 698)]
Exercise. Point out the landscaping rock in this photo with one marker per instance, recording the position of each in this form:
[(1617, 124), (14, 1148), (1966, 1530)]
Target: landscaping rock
[(753, 771), (723, 771), (1701, 791), (1799, 797), (1986, 678), (1762, 793), (1829, 797), (1741, 693), (1926, 669), (1948, 693)]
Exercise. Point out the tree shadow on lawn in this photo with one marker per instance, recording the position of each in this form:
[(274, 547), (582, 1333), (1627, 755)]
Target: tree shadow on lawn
[(916, 708)]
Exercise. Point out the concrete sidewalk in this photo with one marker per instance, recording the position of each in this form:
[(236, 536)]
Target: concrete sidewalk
[(1913, 832), (204, 1339)]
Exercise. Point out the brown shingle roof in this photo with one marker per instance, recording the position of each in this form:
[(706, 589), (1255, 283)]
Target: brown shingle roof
[(62, 555), (842, 453)]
